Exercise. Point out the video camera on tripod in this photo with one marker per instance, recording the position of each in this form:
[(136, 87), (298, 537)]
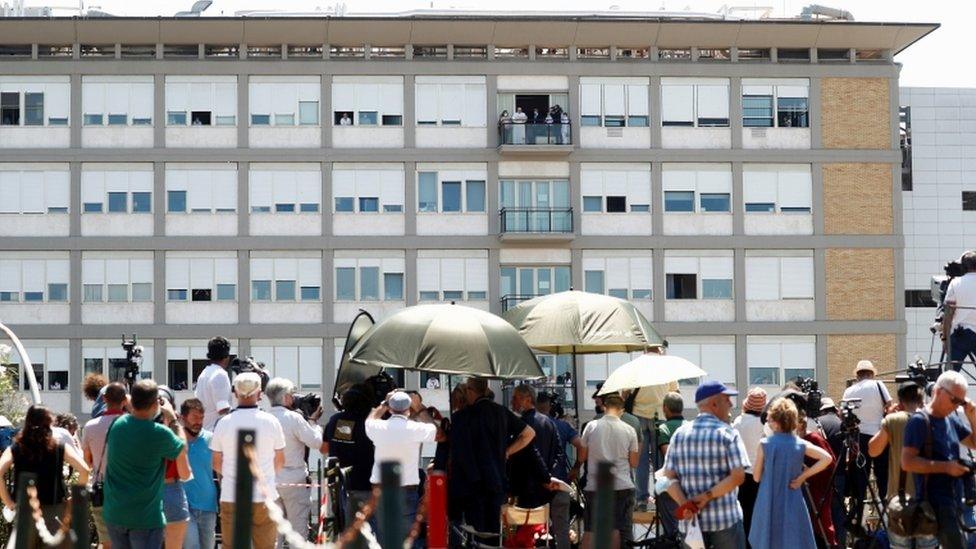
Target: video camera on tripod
[(920, 373), (849, 422), (133, 359), (814, 396)]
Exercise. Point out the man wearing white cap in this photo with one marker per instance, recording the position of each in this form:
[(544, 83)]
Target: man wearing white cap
[(269, 446), (875, 400)]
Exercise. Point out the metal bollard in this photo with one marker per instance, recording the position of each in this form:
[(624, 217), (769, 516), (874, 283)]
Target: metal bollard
[(80, 534), (603, 507), (437, 510), (243, 492), (390, 507), (24, 525)]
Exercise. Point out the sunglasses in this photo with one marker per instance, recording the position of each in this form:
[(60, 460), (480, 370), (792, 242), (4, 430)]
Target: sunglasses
[(956, 401)]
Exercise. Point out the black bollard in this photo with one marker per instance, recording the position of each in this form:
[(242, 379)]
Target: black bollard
[(243, 492), (603, 508), (80, 534), (24, 525), (390, 507)]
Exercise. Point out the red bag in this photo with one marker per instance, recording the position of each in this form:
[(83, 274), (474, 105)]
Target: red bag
[(518, 531)]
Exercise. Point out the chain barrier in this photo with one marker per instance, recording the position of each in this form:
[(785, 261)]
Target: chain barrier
[(294, 539), (46, 537), (418, 521)]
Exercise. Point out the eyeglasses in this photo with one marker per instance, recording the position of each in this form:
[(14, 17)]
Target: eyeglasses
[(956, 401)]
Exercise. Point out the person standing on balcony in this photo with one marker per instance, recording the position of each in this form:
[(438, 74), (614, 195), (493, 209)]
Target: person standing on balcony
[(518, 126), (505, 127), (564, 127)]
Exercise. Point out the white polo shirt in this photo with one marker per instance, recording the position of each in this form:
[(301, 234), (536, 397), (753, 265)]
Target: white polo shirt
[(399, 439), (873, 395), (299, 434), (268, 439), (213, 390), (962, 291)]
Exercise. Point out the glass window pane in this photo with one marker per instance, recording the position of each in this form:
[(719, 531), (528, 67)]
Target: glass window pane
[(716, 289), (93, 119), (593, 281), (33, 296), (618, 292), (117, 202), (589, 120), (367, 118), (33, 109), (430, 296), (616, 204), (201, 294), (57, 292), (369, 283), (118, 292), (176, 295), (284, 120), (641, 293), (9, 296), (142, 291), (393, 286), (592, 203), (176, 201), (311, 293), (679, 201), (763, 376), (141, 202), (637, 121), (475, 198), (226, 292), (392, 120), (369, 204), (176, 118), (284, 208), (9, 109), (792, 112), (427, 192), (92, 293), (453, 295), (715, 202), (451, 195), (260, 119), (344, 204), (477, 296), (260, 290), (309, 208), (284, 290), (92, 207), (308, 113), (562, 279), (118, 119), (345, 284), (768, 207)]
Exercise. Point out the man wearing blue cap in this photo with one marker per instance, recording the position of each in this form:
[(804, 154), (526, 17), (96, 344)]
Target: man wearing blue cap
[(707, 462)]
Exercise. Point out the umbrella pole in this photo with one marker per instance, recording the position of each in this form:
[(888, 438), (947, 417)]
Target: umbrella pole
[(577, 391)]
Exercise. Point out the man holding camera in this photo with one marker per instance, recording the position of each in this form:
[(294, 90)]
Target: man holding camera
[(875, 400), (959, 318), (93, 445), (213, 385), (300, 434), (932, 451)]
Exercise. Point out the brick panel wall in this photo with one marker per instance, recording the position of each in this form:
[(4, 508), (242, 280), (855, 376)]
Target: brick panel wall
[(860, 284), (855, 113), (857, 198), (844, 351)]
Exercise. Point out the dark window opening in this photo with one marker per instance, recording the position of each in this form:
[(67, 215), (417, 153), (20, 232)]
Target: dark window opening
[(178, 377), (338, 118), (905, 137), (616, 204), (201, 294), (969, 201), (682, 286), (9, 109), (200, 118), (919, 298)]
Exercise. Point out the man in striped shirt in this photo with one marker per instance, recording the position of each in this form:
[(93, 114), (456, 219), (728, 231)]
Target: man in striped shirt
[(707, 462)]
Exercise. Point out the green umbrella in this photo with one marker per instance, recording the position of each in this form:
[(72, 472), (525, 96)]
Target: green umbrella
[(577, 323), (447, 339)]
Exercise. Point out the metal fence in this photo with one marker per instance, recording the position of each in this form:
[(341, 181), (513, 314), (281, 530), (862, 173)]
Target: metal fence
[(533, 133), (536, 220)]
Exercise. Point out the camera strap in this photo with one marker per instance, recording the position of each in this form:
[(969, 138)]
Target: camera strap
[(926, 453)]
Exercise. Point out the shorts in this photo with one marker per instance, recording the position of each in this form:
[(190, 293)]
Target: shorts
[(175, 506), (623, 510)]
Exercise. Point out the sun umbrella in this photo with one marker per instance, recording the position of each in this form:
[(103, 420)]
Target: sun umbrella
[(577, 323), (648, 370), (447, 339)]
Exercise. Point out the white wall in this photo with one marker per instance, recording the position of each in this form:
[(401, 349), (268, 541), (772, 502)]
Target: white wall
[(778, 223), (34, 225), (367, 137), (221, 312), (452, 223), (614, 138), (775, 138), (286, 313), (703, 224), (694, 310), (604, 224), (12, 137), (117, 313), (201, 137), (217, 224), (451, 137), (284, 225), (34, 313), (299, 137), (696, 138), (95, 137)]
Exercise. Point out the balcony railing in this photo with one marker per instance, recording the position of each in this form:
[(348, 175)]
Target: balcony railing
[(536, 220), (510, 300), (530, 133)]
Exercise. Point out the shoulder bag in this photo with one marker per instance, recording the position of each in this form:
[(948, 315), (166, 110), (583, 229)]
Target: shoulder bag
[(97, 494), (913, 517)]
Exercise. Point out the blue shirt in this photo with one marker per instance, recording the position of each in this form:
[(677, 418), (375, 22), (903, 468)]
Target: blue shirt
[(942, 490), (201, 492), (702, 453), (566, 435)]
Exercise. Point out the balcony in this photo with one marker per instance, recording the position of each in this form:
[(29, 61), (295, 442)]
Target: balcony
[(511, 300), (533, 138), (536, 223)]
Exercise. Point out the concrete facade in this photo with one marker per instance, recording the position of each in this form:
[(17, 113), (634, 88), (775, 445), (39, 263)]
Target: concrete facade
[(391, 240)]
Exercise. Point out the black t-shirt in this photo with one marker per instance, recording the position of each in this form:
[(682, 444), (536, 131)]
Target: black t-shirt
[(532, 466), (346, 434), (830, 423), (480, 434), (48, 468)]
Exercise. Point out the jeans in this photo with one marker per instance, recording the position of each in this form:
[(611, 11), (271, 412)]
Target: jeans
[(950, 534), (962, 342), (643, 472), (666, 506), (559, 513), (200, 530), (733, 537), (924, 542), (125, 538), (411, 498), (861, 474)]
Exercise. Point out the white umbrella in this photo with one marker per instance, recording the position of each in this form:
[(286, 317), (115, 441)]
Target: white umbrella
[(648, 370)]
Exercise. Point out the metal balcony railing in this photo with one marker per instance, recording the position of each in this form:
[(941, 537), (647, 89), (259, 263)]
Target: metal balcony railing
[(510, 300), (536, 220), (530, 133)]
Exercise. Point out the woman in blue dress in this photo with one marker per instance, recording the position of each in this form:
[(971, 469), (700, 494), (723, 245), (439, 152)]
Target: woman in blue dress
[(780, 518)]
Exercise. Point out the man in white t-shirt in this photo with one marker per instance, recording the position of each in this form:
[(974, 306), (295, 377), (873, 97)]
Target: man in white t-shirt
[(213, 385), (959, 319), (398, 439), (269, 446), (875, 400)]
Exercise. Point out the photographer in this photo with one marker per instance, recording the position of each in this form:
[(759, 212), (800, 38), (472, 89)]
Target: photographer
[(300, 434), (93, 446), (959, 320), (346, 440), (213, 385), (875, 400), (932, 451)]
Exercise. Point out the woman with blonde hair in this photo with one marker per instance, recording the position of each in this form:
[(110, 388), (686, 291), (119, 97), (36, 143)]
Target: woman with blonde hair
[(779, 518)]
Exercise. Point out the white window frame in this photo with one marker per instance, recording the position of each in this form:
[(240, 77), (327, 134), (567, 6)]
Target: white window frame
[(21, 275), (385, 182), (764, 182), (207, 183), (184, 269), (44, 353), (462, 176), (622, 272), (699, 87), (56, 103), (633, 94), (439, 274), (188, 350), (703, 179), (382, 95), (305, 272), (307, 356), (105, 270), (705, 266), (792, 88), (98, 182), (715, 355), (781, 353), (214, 94), (106, 352), (385, 265), (52, 184), (449, 99), (603, 180), (282, 96), (773, 275), (105, 96), (298, 185)]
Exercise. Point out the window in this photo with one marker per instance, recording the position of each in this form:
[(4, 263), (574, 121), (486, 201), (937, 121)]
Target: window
[(614, 102), (905, 138), (616, 187), (201, 100), (451, 191), (781, 103), (716, 289), (788, 55), (754, 54), (117, 100), (119, 278), (714, 54), (463, 275), (968, 201), (272, 188), (695, 102), (346, 284), (202, 189), (616, 204), (475, 196), (679, 201), (782, 188), (118, 202), (9, 109), (451, 101), (393, 286), (774, 276), (593, 282), (715, 202), (682, 286), (699, 275), (367, 100), (434, 52), (774, 360), (34, 279), (427, 195), (50, 366), (34, 192), (34, 100), (470, 52), (279, 99), (201, 276), (299, 51), (116, 191), (712, 183), (33, 109), (457, 194), (293, 278), (593, 53), (592, 203), (523, 283), (828, 55), (919, 298), (369, 279), (372, 189)]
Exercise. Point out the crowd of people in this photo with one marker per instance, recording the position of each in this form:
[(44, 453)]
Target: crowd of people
[(550, 126), (777, 474)]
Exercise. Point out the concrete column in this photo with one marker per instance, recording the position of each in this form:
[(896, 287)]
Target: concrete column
[(576, 269), (159, 198), (820, 284), (494, 280), (491, 93), (74, 199), (74, 287), (660, 291), (817, 198), (159, 50), (328, 293), (75, 106), (738, 209), (492, 205), (410, 276), (243, 194), (326, 202), (325, 100), (243, 287), (409, 112), (741, 365), (574, 102), (739, 283), (243, 116), (159, 287), (821, 371), (410, 198), (654, 113), (576, 195), (159, 359), (814, 106), (159, 106), (76, 373), (328, 370), (657, 199), (735, 111)]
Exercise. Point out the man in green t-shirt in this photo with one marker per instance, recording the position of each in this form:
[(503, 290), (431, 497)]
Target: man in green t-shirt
[(134, 469), (674, 408)]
